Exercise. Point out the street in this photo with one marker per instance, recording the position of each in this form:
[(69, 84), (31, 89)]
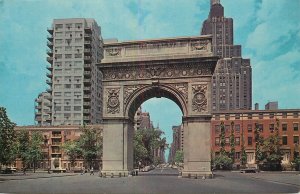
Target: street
[(155, 181)]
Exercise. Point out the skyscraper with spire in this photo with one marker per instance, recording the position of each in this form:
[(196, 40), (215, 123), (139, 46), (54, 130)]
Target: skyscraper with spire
[(232, 80)]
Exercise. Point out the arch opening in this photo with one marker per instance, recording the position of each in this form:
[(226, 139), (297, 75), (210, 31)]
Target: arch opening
[(149, 92)]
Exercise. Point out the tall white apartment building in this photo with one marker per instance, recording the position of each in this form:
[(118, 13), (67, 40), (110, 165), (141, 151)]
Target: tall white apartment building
[(75, 46)]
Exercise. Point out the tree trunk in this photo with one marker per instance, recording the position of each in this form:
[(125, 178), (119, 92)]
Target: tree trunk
[(33, 167)]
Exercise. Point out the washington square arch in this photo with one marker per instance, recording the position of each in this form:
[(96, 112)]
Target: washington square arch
[(179, 69)]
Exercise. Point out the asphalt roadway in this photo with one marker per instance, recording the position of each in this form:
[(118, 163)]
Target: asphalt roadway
[(155, 181)]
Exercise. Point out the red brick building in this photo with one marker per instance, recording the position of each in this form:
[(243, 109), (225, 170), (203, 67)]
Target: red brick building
[(244, 122), (54, 137)]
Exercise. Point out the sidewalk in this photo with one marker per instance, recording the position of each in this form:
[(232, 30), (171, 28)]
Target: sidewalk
[(31, 175)]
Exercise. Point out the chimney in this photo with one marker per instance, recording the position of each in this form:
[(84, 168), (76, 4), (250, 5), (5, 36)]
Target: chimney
[(256, 105)]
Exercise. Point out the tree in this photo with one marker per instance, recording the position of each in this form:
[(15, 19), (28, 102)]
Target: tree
[(222, 161), (232, 143), (8, 146), (179, 156), (35, 149), (272, 149), (90, 144), (243, 151), (222, 139), (146, 141), (23, 147), (259, 140), (73, 150)]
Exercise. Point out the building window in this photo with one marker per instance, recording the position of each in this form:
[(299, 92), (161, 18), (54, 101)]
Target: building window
[(227, 117), (217, 141), (78, 55), (284, 140), (284, 115), (217, 129), (77, 101), (67, 108), (237, 128), (249, 116), (295, 115), (237, 141), (296, 140), (237, 155), (271, 115), (77, 108), (68, 56), (249, 126), (67, 86), (261, 127), (217, 117), (237, 116), (227, 140), (260, 116), (227, 128), (271, 127), (284, 127), (58, 41), (58, 26), (295, 126), (250, 141)]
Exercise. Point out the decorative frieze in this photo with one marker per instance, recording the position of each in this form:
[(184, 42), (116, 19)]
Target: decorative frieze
[(160, 71), (113, 101), (199, 101)]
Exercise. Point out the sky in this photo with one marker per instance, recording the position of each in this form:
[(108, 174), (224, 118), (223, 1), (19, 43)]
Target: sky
[(268, 30)]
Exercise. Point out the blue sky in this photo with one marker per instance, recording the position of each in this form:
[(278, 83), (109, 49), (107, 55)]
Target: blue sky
[(268, 30)]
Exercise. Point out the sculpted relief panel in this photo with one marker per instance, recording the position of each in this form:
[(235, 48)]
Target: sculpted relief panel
[(199, 100), (159, 71), (113, 101)]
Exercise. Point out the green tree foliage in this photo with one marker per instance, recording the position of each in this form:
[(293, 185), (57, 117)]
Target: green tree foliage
[(222, 140), (23, 147), (223, 162), (8, 146), (72, 149), (90, 145), (243, 160), (259, 142), (145, 142), (232, 143), (272, 149), (35, 149), (179, 156)]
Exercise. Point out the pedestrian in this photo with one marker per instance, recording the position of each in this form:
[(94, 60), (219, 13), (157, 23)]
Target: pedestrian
[(92, 171), (81, 171), (140, 165)]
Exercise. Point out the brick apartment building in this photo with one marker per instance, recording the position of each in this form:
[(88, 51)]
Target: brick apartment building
[(53, 139), (245, 120)]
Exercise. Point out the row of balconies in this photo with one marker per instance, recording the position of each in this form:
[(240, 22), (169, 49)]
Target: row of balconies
[(51, 30)]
